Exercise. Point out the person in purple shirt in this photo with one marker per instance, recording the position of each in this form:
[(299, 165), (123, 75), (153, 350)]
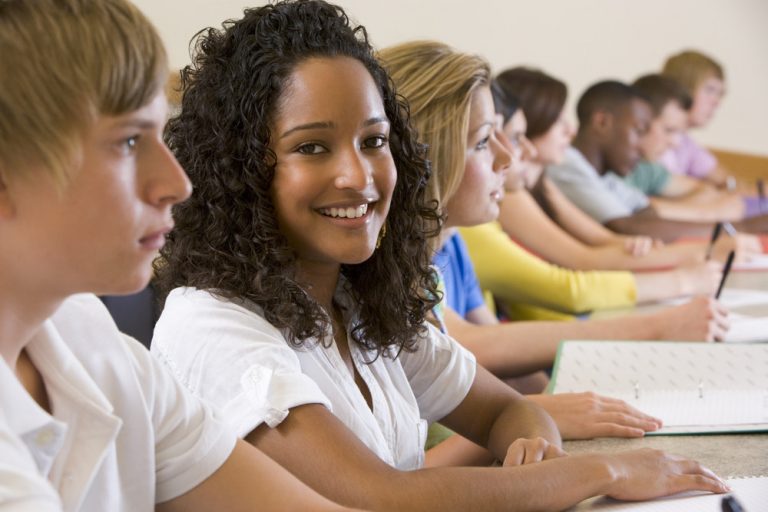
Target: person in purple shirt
[(704, 80)]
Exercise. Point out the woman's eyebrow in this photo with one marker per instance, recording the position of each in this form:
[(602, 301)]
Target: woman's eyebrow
[(309, 126)]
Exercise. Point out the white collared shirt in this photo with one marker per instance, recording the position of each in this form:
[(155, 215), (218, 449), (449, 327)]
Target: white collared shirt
[(231, 356), (123, 434)]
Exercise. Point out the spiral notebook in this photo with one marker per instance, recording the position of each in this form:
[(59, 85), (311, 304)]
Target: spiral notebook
[(752, 494), (694, 388)]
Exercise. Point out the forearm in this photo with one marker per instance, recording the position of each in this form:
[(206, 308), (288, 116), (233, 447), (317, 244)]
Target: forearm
[(553, 484), (247, 477), (522, 419), (667, 230), (757, 225), (518, 348), (615, 257), (724, 207), (654, 286)]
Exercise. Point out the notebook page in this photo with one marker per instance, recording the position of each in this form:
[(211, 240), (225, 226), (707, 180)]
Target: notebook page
[(758, 262), (731, 298), (679, 408), (746, 329), (621, 367), (752, 493)]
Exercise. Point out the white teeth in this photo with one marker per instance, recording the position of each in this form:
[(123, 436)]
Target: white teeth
[(350, 212)]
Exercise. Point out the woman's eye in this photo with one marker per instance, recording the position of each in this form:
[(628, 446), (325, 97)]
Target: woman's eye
[(376, 142), (310, 149), (482, 144)]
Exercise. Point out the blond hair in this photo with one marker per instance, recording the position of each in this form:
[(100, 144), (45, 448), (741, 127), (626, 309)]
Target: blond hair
[(690, 68), (437, 82), (63, 63)]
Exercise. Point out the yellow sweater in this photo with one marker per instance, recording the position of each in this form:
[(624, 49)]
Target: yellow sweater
[(526, 283)]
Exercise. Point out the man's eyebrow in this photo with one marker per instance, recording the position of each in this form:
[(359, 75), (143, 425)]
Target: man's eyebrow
[(140, 123), (309, 126)]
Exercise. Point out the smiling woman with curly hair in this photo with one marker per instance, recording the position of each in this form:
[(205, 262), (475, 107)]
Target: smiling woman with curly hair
[(298, 278), (228, 239)]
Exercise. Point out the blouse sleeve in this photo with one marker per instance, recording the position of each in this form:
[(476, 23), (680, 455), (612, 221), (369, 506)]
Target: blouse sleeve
[(232, 357), (515, 275), (440, 372)]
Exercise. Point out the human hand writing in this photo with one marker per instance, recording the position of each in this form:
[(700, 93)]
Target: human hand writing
[(701, 319)]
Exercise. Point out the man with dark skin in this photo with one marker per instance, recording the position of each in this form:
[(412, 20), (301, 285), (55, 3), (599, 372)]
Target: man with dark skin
[(612, 119)]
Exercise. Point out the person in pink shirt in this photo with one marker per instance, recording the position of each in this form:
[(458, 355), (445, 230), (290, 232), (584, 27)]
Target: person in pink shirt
[(704, 80)]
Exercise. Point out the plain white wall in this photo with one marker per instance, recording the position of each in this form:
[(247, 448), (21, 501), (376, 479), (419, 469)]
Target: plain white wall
[(579, 41)]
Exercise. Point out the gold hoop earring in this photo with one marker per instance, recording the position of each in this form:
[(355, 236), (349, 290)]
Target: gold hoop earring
[(381, 236)]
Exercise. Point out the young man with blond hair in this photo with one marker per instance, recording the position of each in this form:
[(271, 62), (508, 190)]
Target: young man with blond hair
[(88, 421)]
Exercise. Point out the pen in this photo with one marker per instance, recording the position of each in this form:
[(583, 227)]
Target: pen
[(728, 228), (726, 269), (760, 194), (713, 239), (731, 504)]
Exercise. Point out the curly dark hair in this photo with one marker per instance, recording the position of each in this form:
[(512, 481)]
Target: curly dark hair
[(227, 239)]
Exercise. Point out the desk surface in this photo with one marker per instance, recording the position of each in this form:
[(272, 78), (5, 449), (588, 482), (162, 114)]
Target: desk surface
[(726, 455)]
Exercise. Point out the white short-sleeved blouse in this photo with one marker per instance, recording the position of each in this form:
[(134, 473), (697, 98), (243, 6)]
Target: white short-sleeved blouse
[(228, 354)]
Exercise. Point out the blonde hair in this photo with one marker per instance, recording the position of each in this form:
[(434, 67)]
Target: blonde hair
[(63, 63), (690, 68), (437, 82)]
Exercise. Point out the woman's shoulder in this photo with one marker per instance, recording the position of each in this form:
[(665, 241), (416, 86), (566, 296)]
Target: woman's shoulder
[(193, 316)]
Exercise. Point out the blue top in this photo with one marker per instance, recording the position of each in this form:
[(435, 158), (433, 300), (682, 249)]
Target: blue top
[(462, 290)]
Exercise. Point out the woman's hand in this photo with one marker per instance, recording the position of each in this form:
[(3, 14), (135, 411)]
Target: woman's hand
[(640, 245), (528, 451), (587, 415), (647, 473), (701, 319)]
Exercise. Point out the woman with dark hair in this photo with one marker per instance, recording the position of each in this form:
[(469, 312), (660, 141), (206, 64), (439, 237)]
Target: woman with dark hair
[(299, 274), (300, 281), (568, 237)]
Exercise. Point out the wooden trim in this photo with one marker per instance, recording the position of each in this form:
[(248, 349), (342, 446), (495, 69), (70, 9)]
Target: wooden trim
[(744, 166)]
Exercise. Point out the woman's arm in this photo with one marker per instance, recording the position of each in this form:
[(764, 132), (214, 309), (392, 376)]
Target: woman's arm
[(570, 217), (515, 275), (248, 477), (697, 209), (519, 348), (317, 448), (523, 219)]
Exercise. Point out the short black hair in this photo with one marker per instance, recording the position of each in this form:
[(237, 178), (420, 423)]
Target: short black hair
[(608, 95)]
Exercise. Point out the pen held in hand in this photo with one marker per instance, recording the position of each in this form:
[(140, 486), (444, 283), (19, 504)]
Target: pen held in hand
[(726, 270), (715, 235)]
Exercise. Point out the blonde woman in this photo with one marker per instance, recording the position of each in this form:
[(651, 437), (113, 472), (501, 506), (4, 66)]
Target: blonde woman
[(515, 348)]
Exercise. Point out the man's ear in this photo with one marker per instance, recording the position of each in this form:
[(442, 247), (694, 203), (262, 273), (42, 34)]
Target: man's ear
[(602, 122), (6, 202)]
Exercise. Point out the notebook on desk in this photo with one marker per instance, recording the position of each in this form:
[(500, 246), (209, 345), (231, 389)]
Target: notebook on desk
[(694, 388), (752, 494)]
